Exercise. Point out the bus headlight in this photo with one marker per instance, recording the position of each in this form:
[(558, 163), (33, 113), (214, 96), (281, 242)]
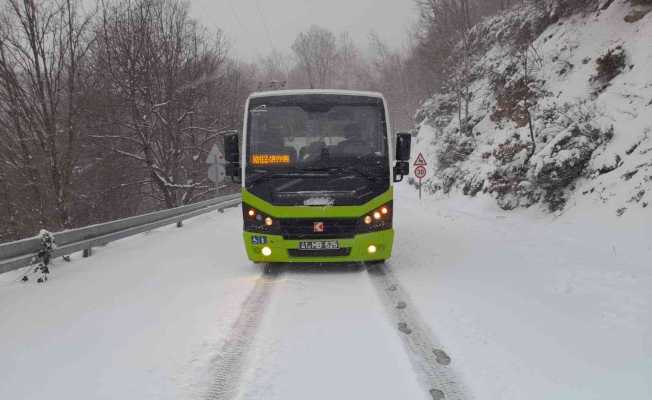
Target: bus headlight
[(257, 221), (266, 251), (376, 220)]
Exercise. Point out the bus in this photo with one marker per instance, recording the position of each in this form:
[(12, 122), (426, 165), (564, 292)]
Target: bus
[(317, 176)]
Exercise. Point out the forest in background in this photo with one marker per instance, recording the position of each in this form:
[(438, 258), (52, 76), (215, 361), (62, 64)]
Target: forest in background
[(111, 111)]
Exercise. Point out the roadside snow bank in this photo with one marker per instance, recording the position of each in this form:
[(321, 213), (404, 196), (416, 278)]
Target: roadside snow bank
[(531, 306)]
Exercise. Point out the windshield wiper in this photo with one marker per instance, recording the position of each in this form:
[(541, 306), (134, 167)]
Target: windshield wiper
[(343, 171), (316, 169), (261, 174), (362, 172), (256, 175)]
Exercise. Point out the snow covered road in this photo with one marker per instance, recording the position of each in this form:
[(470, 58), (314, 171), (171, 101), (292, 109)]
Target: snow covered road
[(170, 315), (325, 336), (140, 319), (514, 306)]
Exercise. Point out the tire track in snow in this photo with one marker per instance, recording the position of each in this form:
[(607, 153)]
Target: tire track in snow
[(431, 362), (229, 364)]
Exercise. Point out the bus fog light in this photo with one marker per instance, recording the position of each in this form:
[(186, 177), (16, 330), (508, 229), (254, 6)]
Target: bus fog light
[(372, 249), (266, 251)]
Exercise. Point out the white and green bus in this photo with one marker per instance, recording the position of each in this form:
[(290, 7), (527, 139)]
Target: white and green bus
[(317, 176)]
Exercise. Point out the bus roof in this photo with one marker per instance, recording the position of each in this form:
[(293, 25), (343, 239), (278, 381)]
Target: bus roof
[(315, 91)]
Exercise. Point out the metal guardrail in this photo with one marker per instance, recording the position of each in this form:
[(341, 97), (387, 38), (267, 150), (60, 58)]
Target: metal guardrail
[(21, 253)]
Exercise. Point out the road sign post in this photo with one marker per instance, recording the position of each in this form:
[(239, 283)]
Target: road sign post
[(420, 170)]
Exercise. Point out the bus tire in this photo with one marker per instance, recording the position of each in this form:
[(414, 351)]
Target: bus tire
[(270, 269)]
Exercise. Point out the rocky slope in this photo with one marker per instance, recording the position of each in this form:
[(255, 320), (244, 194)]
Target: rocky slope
[(560, 121)]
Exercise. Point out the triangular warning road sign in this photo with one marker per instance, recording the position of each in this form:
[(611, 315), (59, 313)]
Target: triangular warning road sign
[(420, 161)]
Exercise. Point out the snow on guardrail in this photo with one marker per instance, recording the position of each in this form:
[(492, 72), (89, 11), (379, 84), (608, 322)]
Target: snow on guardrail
[(21, 253)]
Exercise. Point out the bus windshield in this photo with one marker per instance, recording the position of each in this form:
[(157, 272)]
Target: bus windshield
[(308, 136)]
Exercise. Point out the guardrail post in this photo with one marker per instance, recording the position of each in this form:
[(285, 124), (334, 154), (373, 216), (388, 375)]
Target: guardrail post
[(88, 252), (179, 223)]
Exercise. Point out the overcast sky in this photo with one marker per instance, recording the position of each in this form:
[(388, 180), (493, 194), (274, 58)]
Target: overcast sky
[(254, 26)]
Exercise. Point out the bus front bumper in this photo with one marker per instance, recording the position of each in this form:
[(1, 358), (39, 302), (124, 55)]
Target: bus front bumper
[(358, 249)]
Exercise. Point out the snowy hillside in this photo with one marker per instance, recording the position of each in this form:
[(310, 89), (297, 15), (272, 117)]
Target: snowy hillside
[(564, 121)]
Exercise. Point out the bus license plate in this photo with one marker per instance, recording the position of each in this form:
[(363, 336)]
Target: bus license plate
[(320, 245)]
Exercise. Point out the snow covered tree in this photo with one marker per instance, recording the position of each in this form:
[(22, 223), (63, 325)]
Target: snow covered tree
[(274, 67), (316, 51), (168, 87), (43, 74), (138, 79)]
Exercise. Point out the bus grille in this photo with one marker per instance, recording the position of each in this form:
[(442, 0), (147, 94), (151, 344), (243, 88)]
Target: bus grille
[(298, 229), (319, 253)]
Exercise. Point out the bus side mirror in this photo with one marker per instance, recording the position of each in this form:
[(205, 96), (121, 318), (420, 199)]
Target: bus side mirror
[(232, 156), (403, 142), (231, 148), (233, 171), (402, 167)]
